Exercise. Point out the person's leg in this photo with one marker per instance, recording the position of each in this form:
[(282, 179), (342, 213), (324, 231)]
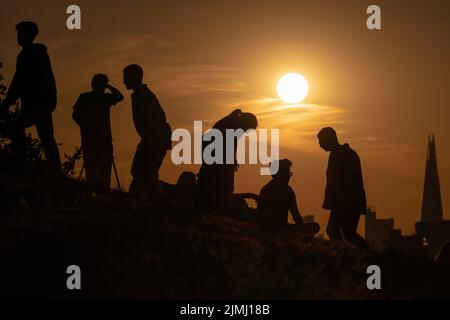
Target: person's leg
[(105, 165), (334, 225), (108, 165), (18, 145), (145, 170), (88, 162), (350, 233), (136, 171), (156, 158), (202, 191), (309, 228), (225, 187), (97, 163), (238, 208), (44, 127)]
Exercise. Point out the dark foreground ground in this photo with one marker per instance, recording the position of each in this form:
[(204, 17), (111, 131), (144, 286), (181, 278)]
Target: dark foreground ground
[(129, 252)]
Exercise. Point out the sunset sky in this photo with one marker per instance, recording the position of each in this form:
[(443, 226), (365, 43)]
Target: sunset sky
[(383, 91)]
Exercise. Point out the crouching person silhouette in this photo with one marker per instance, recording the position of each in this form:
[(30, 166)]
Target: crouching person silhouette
[(92, 113), (215, 185), (181, 195), (344, 194), (277, 199), (34, 84), (155, 133)]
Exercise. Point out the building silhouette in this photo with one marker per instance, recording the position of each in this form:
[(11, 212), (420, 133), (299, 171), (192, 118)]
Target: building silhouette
[(432, 232), (431, 204), (378, 231), (411, 245), (432, 229), (382, 236)]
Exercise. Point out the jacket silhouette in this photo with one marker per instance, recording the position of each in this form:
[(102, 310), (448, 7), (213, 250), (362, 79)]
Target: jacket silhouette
[(151, 125), (181, 195), (149, 117), (345, 188), (34, 84), (92, 113)]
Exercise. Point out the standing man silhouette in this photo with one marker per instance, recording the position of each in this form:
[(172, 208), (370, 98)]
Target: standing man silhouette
[(150, 123), (344, 194), (34, 84), (92, 113)]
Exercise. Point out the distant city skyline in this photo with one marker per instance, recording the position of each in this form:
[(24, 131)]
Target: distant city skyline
[(431, 231)]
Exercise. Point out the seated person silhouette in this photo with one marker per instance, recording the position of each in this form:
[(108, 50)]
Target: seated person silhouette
[(34, 84), (92, 113), (215, 184), (181, 195), (150, 122), (277, 199)]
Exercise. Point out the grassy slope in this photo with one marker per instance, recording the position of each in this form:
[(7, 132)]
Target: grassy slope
[(131, 252)]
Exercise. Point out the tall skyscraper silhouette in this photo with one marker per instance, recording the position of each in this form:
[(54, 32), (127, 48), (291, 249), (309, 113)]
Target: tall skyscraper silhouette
[(431, 203)]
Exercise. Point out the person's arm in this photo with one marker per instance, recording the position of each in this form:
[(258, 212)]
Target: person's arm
[(260, 203), (333, 189), (294, 209), (358, 185), (76, 116), (247, 196), (13, 91), (116, 94)]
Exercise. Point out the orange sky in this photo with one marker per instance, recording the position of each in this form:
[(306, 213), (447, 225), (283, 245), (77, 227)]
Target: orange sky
[(383, 91)]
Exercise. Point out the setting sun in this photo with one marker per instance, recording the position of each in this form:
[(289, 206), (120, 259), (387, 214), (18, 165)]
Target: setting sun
[(292, 88)]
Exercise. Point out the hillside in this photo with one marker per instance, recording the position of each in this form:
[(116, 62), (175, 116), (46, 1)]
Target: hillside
[(129, 252)]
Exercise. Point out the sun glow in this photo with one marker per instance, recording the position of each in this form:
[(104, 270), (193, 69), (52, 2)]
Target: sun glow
[(292, 88)]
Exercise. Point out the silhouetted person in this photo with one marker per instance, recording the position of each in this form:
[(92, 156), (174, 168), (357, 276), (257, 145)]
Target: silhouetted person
[(277, 199), (181, 195), (215, 184), (34, 84), (344, 193), (92, 113), (150, 123)]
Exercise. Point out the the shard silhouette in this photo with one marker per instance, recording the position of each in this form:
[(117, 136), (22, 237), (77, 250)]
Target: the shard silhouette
[(431, 203)]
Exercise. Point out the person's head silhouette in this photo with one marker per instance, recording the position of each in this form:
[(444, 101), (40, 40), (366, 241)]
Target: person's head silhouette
[(328, 140), (99, 82), (284, 172), (243, 120), (186, 181), (132, 76), (26, 32), (248, 121)]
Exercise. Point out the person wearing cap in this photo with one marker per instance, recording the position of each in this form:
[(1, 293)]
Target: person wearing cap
[(92, 113)]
